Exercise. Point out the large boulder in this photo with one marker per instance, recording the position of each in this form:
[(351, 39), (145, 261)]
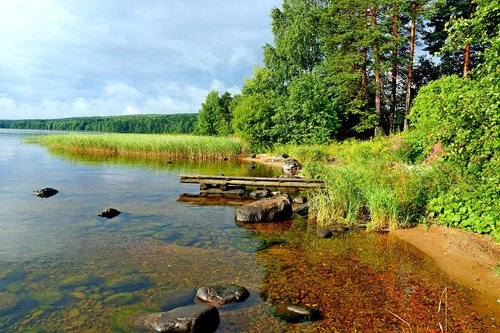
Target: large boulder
[(198, 318), (222, 294), (277, 208)]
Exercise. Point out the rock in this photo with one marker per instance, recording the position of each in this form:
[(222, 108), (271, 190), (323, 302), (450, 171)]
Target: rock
[(198, 318), (223, 294), (8, 301), (128, 283), (291, 166), (292, 313), (302, 209), (45, 192), (47, 296), (282, 156), (299, 200), (338, 229), (270, 209), (78, 280), (260, 193), (251, 166), (172, 301), (253, 156), (121, 299), (323, 233), (109, 213)]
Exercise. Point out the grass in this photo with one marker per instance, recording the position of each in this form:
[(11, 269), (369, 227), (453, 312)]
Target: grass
[(366, 182), (153, 146)]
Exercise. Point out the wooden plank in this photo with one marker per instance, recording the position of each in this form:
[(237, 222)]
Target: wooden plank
[(252, 181)]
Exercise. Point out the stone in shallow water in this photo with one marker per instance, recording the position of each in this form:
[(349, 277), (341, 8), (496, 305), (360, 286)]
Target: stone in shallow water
[(48, 296), (45, 192), (109, 213), (198, 318), (292, 313), (128, 283), (175, 300), (78, 280), (223, 294), (277, 208), (121, 299), (8, 301)]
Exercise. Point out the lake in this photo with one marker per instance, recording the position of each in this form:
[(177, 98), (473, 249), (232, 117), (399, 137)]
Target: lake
[(64, 269)]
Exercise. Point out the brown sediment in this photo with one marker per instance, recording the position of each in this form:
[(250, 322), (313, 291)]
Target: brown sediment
[(470, 259)]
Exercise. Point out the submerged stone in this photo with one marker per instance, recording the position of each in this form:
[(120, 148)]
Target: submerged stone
[(13, 275), (45, 192), (78, 280), (223, 294), (197, 318), (126, 283), (47, 297), (292, 313), (109, 213), (121, 299), (8, 301), (178, 299), (260, 193)]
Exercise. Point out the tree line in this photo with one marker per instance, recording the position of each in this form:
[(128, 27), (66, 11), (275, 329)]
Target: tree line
[(153, 123), (343, 68)]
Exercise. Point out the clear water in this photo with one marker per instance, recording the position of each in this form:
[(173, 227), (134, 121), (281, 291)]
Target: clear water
[(64, 269)]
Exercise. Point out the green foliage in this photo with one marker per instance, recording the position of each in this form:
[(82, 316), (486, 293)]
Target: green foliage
[(464, 116), (215, 117), (173, 123), (308, 116)]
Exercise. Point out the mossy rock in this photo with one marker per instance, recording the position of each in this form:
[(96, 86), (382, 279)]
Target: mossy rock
[(121, 299), (13, 275), (8, 301), (48, 296), (167, 235), (130, 320), (128, 283), (78, 280)]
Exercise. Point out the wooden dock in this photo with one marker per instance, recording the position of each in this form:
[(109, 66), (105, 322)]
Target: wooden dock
[(252, 181)]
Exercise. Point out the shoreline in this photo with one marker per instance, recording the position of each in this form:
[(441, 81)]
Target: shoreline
[(470, 259)]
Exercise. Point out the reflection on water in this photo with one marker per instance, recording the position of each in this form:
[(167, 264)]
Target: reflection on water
[(63, 269)]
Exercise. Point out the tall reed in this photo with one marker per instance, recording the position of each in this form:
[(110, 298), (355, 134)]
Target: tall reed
[(144, 145), (365, 182)]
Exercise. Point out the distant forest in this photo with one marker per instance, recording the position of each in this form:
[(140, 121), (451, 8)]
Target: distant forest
[(153, 123)]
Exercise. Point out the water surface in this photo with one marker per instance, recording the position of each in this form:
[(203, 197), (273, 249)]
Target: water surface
[(64, 269)]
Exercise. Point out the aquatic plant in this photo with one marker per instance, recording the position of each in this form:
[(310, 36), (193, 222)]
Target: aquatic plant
[(155, 146)]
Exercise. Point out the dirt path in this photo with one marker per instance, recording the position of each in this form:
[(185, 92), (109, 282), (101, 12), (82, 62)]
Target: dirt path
[(471, 259)]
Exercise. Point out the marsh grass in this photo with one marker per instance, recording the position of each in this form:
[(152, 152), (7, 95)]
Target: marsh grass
[(366, 182), (155, 146)]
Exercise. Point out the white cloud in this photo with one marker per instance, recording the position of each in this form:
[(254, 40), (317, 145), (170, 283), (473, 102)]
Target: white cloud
[(89, 57)]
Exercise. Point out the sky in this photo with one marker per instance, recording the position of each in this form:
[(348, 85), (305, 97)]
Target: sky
[(70, 58)]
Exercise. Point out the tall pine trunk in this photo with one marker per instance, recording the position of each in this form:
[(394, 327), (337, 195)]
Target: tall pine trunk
[(467, 46), (410, 63), (394, 71), (378, 85)]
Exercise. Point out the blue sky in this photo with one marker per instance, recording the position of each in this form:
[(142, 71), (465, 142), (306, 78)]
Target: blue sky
[(63, 58)]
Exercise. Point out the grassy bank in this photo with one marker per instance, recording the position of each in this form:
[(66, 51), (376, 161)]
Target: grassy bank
[(368, 182), (144, 145)]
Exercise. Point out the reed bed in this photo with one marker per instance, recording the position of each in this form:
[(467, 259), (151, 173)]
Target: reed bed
[(155, 146), (366, 182)]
